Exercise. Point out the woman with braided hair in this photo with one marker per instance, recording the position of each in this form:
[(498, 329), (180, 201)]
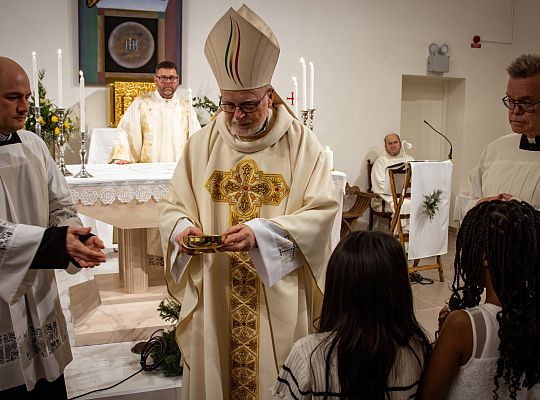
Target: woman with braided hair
[(491, 350)]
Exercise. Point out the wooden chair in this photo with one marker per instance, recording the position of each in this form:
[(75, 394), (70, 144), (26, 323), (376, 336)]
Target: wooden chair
[(361, 204), (399, 194), (372, 211)]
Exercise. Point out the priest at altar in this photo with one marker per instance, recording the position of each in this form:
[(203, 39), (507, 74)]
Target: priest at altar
[(258, 177), (156, 125), (155, 128)]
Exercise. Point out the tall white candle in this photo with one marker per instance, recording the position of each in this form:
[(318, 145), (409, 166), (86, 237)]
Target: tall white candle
[(295, 90), (304, 94), (311, 83), (60, 102), (81, 102), (330, 157), (35, 79)]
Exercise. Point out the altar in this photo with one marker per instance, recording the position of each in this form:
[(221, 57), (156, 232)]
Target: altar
[(122, 306)]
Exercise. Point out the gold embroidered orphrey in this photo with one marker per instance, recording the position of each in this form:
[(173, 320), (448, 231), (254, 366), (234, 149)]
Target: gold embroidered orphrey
[(246, 189)]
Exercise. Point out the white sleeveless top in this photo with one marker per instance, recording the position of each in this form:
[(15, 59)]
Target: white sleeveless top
[(475, 378)]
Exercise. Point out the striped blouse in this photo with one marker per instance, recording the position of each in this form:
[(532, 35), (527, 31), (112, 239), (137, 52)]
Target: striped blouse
[(303, 376)]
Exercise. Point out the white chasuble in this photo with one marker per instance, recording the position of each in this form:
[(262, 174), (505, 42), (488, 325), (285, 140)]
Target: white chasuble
[(155, 129), (34, 195), (234, 331)]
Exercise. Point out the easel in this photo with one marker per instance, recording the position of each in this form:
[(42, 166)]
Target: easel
[(398, 199)]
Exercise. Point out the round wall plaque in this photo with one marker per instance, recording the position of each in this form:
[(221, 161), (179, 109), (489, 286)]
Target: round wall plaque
[(131, 45)]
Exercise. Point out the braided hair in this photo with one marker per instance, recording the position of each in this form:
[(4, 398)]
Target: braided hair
[(504, 236)]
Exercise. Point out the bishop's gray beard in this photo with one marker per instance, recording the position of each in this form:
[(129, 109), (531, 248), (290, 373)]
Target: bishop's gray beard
[(251, 130)]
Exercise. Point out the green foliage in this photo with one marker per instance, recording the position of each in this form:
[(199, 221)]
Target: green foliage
[(171, 364), (431, 203), (50, 127), (206, 104), (169, 310)]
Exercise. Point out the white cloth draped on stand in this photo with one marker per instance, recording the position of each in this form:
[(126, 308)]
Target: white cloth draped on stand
[(429, 236)]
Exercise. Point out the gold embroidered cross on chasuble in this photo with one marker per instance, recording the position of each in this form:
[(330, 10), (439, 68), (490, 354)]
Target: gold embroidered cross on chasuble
[(246, 189)]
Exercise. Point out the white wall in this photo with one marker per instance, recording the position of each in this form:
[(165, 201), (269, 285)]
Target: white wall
[(361, 49)]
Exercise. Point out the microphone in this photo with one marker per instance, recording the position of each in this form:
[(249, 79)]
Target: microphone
[(449, 142)]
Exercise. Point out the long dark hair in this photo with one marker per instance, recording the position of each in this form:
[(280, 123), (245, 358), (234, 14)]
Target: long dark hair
[(504, 235), (368, 308)]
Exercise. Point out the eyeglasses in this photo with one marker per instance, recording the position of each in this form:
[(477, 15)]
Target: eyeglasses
[(247, 107), (526, 106), (165, 79)]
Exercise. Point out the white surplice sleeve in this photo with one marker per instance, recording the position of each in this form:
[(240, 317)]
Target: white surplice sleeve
[(18, 245), (468, 199), (179, 262), (276, 255)]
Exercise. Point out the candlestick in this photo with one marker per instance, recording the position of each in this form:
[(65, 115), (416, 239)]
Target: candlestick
[(295, 90), (304, 99), (82, 103), (61, 141), (35, 79), (60, 102), (83, 173), (311, 83)]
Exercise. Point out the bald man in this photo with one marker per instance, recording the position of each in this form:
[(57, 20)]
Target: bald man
[(39, 231), (392, 155)]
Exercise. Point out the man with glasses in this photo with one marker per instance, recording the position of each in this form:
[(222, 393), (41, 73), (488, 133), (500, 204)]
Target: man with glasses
[(509, 167), (156, 125), (155, 129), (259, 179)]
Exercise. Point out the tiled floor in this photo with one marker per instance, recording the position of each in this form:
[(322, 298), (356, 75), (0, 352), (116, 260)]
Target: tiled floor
[(99, 366), (428, 299)]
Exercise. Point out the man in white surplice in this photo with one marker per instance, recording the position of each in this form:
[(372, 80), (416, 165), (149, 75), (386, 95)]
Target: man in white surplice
[(392, 154), (258, 177), (509, 167), (39, 231), (156, 125)]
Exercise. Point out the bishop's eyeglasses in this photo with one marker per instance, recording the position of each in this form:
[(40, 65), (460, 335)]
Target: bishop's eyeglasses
[(526, 106), (165, 79), (246, 108)]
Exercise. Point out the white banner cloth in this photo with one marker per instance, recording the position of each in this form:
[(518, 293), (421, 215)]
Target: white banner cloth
[(429, 237)]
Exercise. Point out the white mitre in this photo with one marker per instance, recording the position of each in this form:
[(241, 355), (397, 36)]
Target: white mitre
[(242, 50)]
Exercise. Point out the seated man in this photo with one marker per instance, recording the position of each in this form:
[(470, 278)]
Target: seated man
[(157, 124), (392, 155)]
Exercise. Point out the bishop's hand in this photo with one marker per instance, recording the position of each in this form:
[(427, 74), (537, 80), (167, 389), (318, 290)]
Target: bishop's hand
[(239, 238), (189, 231)]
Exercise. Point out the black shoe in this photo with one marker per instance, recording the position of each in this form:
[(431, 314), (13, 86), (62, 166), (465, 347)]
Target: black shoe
[(415, 277)]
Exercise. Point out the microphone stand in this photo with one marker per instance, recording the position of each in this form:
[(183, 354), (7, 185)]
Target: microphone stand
[(450, 143)]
